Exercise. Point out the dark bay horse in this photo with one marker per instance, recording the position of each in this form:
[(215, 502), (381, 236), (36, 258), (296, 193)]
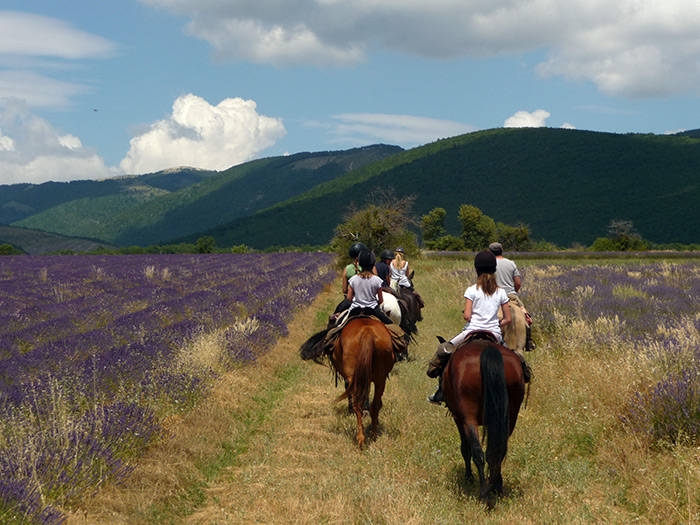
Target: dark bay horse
[(483, 386), (363, 354)]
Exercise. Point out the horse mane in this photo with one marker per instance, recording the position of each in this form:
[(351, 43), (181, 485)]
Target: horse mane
[(313, 348)]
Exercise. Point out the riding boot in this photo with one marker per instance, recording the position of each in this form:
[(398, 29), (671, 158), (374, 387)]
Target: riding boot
[(436, 397), (439, 361), (527, 371), (529, 343)]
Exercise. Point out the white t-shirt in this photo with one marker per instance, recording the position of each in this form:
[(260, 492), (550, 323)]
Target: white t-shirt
[(365, 291), (485, 309)]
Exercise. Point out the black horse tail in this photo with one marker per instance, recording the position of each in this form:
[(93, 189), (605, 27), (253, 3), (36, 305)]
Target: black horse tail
[(495, 393), (313, 348)]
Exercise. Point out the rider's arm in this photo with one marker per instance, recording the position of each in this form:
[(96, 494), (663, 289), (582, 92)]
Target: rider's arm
[(517, 283), (345, 281), (380, 297), (506, 315), (350, 294), (468, 303)]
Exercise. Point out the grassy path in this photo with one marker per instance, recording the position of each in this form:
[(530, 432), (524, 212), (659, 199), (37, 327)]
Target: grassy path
[(271, 446)]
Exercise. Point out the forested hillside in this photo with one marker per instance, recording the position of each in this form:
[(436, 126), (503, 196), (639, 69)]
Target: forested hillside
[(566, 185), (154, 213)]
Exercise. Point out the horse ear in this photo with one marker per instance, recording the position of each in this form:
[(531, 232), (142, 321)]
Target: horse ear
[(440, 338)]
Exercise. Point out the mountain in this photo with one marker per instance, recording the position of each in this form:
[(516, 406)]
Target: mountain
[(566, 185), (152, 210), (36, 242), (21, 201)]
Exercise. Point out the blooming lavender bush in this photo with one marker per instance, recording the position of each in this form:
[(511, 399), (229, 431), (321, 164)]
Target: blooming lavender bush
[(652, 310), (91, 350)]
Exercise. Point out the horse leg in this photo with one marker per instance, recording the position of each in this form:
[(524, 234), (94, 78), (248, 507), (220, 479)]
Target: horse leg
[(360, 429), (466, 448), (376, 405)]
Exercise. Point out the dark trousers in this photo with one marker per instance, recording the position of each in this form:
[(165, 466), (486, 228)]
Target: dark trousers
[(372, 311)]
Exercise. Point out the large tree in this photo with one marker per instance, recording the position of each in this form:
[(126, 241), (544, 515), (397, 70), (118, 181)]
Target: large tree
[(384, 223), (478, 229)]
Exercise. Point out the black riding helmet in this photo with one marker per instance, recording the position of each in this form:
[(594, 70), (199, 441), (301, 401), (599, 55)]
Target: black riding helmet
[(355, 250), (367, 260), (386, 254), (485, 262)]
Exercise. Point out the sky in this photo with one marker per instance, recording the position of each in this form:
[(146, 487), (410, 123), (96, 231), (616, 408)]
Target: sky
[(93, 89)]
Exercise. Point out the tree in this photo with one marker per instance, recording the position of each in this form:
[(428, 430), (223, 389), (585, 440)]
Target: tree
[(8, 249), (205, 244), (622, 238), (383, 224), (514, 238), (432, 227), (478, 230)]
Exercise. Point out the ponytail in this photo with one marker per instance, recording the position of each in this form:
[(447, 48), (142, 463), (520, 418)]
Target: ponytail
[(487, 283)]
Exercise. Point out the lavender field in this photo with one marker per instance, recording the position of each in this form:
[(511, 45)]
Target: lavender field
[(96, 350), (649, 313)]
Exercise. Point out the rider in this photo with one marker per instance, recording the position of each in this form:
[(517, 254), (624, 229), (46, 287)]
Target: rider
[(482, 302), (508, 278), (383, 267), (365, 289), (399, 271), (348, 272)]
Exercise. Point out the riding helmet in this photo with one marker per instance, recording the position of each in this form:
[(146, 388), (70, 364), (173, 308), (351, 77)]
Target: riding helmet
[(367, 260), (386, 254), (355, 250), (485, 262)]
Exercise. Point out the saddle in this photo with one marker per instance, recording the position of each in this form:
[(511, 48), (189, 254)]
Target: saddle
[(398, 336), (484, 335)]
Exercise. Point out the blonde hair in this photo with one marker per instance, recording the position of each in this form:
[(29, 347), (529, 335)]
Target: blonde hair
[(487, 283), (366, 274), (398, 258)]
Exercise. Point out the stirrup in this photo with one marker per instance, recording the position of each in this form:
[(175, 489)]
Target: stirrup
[(436, 397)]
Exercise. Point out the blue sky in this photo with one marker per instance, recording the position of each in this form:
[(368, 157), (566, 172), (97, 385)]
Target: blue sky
[(92, 89)]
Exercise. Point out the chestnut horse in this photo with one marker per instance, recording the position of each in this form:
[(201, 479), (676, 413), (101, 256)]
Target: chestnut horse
[(364, 354), (483, 386)]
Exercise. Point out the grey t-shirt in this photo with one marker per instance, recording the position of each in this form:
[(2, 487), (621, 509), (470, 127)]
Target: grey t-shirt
[(506, 272)]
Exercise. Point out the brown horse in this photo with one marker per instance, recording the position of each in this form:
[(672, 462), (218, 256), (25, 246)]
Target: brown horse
[(363, 354), (483, 385), (515, 333)]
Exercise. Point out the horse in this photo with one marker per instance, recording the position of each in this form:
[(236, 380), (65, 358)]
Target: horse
[(515, 333), (483, 386), (390, 306), (363, 354), (398, 310)]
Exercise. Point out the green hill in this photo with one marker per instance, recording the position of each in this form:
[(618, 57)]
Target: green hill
[(567, 185), (36, 242), (153, 211), (21, 201)]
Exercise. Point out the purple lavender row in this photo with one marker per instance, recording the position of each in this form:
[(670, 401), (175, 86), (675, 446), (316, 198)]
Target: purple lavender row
[(107, 328)]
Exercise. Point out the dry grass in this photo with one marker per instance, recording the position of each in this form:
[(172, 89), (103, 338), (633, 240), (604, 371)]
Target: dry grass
[(270, 446)]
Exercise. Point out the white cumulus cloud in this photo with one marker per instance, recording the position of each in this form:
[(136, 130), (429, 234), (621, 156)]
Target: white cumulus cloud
[(524, 119), (644, 48), (203, 136), (32, 150)]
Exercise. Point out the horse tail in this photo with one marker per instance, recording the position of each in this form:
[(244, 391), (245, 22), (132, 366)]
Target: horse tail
[(313, 348), (358, 389), (495, 394)]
